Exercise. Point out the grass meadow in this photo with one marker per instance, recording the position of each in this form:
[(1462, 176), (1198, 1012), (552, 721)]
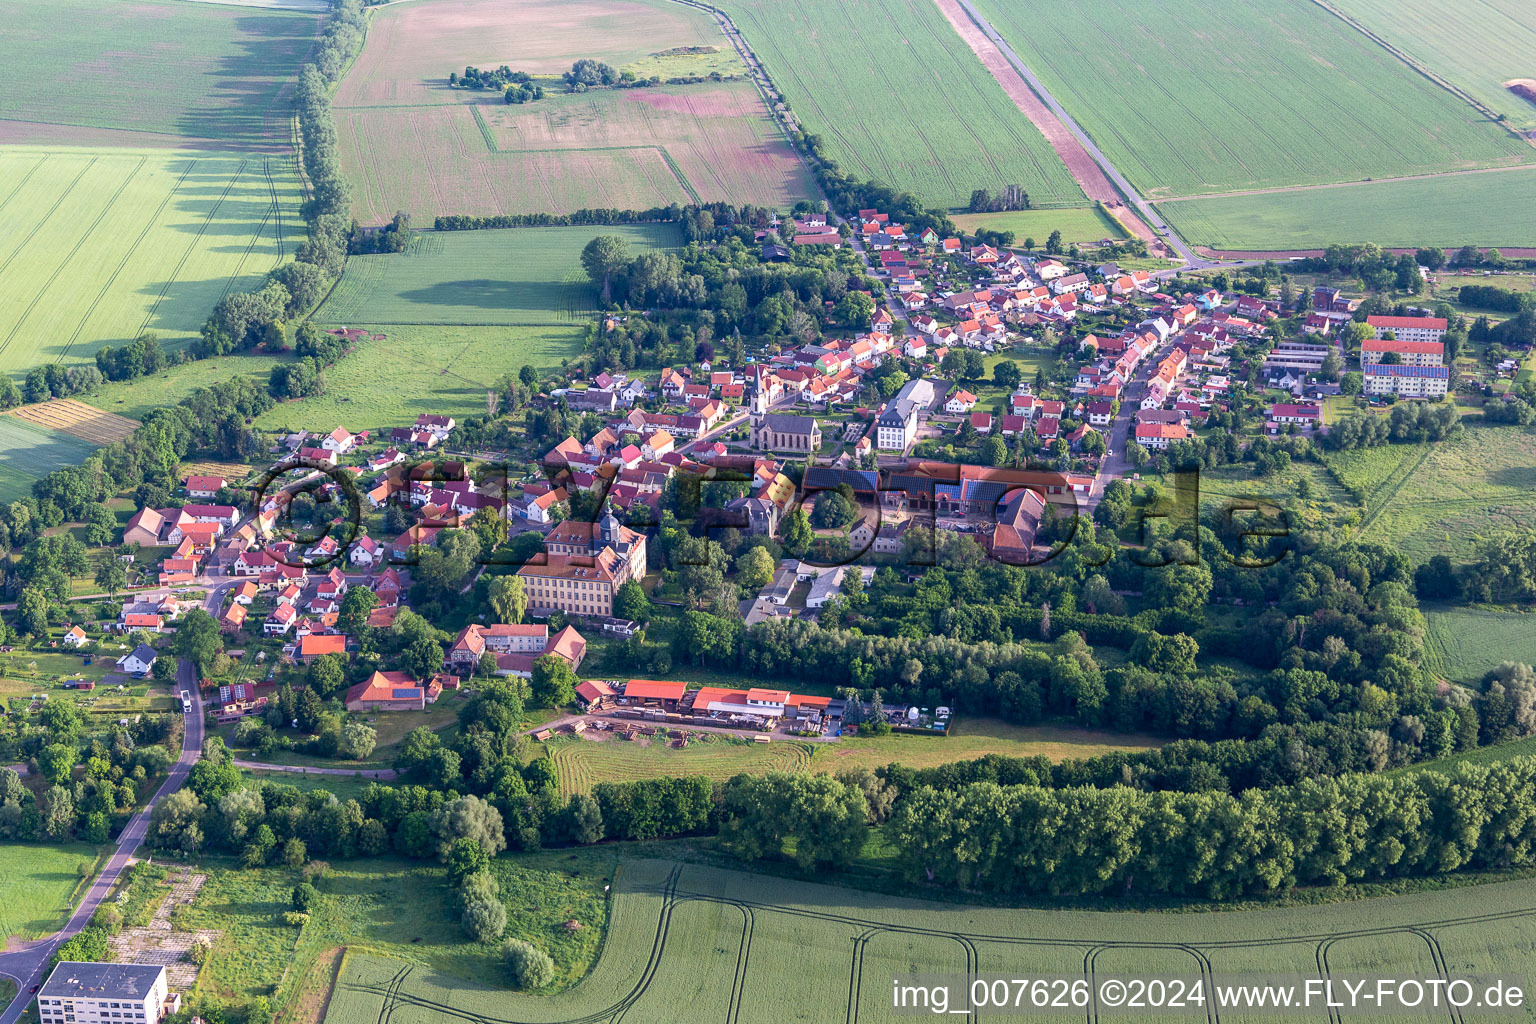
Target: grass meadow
[(1451, 210), (1206, 96), (1476, 47), (38, 886), (1466, 643), (104, 243), (505, 277), (580, 764), (409, 142), (165, 67), (898, 97), (29, 452), (733, 946), (1085, 225)]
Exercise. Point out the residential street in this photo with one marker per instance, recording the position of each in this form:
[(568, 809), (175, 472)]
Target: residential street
[(26, 962)]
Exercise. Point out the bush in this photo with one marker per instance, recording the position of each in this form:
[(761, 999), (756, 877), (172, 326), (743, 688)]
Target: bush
[(295, 919), (484, 920), (527, 965), (198, 952), (305, 896), (109, 920)]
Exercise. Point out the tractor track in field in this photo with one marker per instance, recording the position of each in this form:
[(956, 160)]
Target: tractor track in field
[(176, 273), (149, 224), (47, 216), (6, 344)]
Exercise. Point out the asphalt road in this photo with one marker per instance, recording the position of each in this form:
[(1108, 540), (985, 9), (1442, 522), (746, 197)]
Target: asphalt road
[(27, 962)]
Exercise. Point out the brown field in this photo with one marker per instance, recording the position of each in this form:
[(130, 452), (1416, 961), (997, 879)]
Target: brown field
[(410, 143), (411, 48), (71, 417)]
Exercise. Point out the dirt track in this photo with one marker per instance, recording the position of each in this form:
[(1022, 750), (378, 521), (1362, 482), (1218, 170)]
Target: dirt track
[(1083, 167)]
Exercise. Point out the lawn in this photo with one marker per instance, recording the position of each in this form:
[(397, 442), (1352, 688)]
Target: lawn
[(1466, 643), (582, 763), (29, 452), (1207, 96), (105, 243), (390, 726), (1305, 491), (421, 369), (396, 908), (511, 276), (724, 943), (1085, 225), (38, 886), (1450, 210), (178, 70), (343, 787), (135, 398), (1476, 47), (409, 142), (898, 97), (1443, 498)]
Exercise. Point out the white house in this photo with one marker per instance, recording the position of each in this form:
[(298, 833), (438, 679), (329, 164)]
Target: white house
[(138, 661), (961, 401)]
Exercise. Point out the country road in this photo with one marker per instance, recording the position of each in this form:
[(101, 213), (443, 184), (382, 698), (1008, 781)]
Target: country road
[(27, 962)]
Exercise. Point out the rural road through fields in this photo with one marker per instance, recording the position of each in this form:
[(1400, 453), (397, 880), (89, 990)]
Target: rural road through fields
[(28, 962), (1148, 214)]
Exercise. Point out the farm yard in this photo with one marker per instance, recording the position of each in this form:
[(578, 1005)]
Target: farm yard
[(29, 452), (1484, 208), (103, 244), (1203, 97), (1466, 643), (1476, 47), (417, 368), (411, 143), (1085, 225), (725, 944), (524, 276), (181, 71), (898, 97)]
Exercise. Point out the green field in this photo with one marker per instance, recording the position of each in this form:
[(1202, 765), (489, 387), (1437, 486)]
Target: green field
[(1208, 96), (29, 452), (103, 243), (391, 907), (580, 763), (37, 886), (513, 276), (135, 398), (179, 70), (738, 947), (1443, 498), (1477, 47), (1465, 643), (898, 97), (1085, 225), (419, 369), (1449, 210)]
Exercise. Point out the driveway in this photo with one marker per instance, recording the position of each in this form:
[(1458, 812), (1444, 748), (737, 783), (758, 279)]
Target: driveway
[(25, 964)]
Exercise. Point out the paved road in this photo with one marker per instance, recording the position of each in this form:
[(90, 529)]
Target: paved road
[(26, 963)]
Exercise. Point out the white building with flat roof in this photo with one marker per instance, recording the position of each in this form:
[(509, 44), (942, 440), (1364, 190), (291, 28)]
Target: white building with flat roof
[(87, 993)]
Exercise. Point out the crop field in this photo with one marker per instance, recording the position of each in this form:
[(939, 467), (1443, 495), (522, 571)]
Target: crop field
[(444, 369), (1448, 210), (37, 885), (1466, 643), (616, 149), (74, 417), (103, 244), (1443, 498), (1085, 224), (1476, 47), (1207, 96), (582, 763), (409, 142), (898, 97), (180, 70), (521, 276), (753, 949), (29, 452)]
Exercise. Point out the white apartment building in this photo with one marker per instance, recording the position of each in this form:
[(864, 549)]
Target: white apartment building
[(1407, 381), (1409, 353), (86, 993), (1410, 328)]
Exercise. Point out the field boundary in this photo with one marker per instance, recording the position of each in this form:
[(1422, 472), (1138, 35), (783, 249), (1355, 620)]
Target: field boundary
[(1423, 71)]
